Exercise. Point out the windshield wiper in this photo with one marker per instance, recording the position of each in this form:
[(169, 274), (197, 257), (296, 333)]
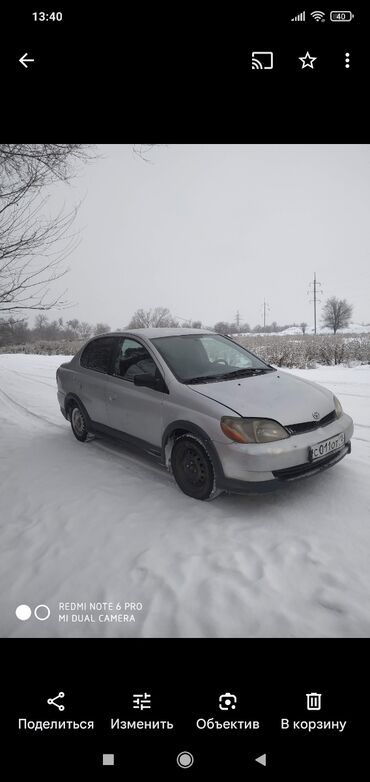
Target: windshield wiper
[(250, 371), (201, 379), (247, 372), (244, 372)]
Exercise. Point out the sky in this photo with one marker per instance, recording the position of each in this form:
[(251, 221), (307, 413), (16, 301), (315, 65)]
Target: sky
[(209, 230)]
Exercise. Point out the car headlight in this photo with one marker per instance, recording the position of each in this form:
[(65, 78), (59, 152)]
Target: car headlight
[(338, 407), (252, 430)]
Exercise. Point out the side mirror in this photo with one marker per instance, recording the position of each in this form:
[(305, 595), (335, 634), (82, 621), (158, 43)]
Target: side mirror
[(149, 381)]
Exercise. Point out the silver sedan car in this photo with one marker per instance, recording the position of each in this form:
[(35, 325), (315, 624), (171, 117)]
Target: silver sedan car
[(216, 415)]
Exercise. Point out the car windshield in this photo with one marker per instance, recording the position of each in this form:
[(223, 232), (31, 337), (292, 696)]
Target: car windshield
[(206, 358)]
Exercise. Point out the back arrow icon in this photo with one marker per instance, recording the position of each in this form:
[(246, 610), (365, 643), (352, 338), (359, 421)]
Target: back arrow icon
[(24, 61)]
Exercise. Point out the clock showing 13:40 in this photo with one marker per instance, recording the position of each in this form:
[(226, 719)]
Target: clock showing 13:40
[(47, 16)]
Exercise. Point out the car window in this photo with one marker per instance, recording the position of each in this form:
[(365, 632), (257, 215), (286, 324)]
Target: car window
[(206, 356), (98, 354), (133, 359), (225, 353)]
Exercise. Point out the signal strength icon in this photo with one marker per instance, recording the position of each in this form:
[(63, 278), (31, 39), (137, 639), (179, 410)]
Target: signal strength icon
[(319, 16), (300, 18)]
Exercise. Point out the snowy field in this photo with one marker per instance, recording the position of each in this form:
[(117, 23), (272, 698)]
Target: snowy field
[(97, 523)]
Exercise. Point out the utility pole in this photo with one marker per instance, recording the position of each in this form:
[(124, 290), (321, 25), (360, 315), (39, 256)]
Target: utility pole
[(237, 320), (315, 284), (265, 308)]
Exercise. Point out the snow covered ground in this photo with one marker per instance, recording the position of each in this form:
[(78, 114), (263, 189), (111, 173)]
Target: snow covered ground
[(93, 522)]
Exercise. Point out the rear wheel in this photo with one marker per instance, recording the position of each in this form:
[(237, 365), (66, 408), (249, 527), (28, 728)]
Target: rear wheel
[(78, 423), (192, 468)]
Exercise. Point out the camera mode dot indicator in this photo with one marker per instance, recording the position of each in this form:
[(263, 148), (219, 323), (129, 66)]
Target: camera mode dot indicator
[(42, 612), (23, 612)]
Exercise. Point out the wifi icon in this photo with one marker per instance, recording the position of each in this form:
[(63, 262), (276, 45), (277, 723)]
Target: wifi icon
[(319, 16)]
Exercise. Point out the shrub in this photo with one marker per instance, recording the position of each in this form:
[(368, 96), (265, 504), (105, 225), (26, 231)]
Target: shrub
[(303, 351)]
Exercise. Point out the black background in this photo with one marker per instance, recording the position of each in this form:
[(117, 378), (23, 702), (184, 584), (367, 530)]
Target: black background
[(170, 75), (184, 74), (185, 677)]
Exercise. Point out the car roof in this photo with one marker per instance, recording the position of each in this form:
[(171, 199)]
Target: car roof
[(150, 333)]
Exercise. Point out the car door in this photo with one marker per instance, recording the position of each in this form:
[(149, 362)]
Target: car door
[(134, 410), (90, 382)]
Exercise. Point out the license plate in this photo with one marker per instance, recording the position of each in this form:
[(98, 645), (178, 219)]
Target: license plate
[(326, 447)]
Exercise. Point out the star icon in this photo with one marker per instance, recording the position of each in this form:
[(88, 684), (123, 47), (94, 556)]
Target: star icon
[(307, 61)]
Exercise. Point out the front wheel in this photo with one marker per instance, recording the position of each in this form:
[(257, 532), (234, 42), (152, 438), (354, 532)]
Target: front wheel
[(192, 468), (78, 423)]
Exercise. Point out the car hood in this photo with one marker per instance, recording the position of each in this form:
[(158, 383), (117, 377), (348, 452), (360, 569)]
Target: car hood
[(278, 395)]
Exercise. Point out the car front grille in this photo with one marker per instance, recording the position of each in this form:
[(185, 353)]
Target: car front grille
[(309, 426)]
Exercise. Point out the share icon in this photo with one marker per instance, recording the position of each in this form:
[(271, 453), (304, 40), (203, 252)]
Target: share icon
[(51, 701)]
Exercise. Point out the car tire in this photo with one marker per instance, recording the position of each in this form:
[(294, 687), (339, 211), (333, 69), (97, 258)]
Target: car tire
[(78, 423), (192, 468)]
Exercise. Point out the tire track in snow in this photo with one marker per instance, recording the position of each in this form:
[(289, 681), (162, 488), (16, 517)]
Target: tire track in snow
[(29, 377), (99, 445), (26, 410), (155, 468)]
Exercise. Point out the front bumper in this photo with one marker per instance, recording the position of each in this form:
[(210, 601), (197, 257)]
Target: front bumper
[(267, 464)]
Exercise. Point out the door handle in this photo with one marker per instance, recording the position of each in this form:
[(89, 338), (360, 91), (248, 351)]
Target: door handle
[(111, 397)]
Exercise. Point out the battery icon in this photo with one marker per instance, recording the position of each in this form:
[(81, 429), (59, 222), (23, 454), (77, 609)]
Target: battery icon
[(341, 16)]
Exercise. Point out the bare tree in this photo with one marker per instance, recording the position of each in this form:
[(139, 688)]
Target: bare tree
[(101, 328), (222, 327), (34, 245), (13, 331), (303, 326), (143, 150), (85, 330), (337, 313), (73, 325), (160, 317), (40, 321)]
